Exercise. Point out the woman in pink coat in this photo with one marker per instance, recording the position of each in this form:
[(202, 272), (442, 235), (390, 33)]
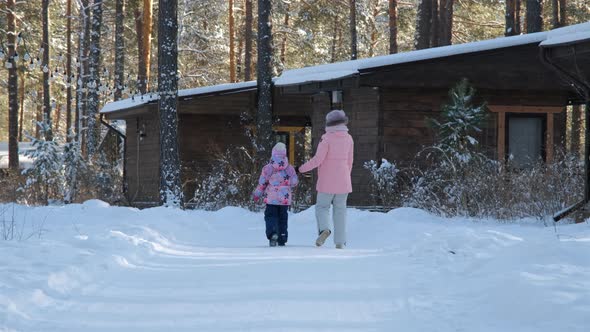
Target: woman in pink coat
[(333, 160)]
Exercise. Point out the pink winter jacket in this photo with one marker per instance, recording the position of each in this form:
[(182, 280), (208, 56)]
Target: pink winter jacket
[(276, 181), (333, 159)]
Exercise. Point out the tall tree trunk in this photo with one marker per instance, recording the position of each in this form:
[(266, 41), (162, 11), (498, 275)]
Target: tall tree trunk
[(423, 25), (374, 32), (21, 91), (94, 77), (12, 87), (232, 54), (446, 22), (81, 83), (57, 117), (562, 13), (392, 26), (334, 40), (38, 113), (264, 81), (284, 41), (239, 68), (517, 21), (145, 46), (248, 42), (170, 181), (510, 29), (46, 70), (353, 36), (68, 70), (554, 14), (576, 138), (119, 48), (534, 16), (434, 24)]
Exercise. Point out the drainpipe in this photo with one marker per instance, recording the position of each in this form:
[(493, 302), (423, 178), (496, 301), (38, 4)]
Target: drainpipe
[(584, 90), (124, 138)]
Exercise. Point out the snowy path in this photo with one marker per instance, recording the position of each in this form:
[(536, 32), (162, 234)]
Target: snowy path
[(99, 268)]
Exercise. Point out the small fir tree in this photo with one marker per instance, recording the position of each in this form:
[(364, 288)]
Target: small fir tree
[(46, 171), (74, 165), (461, 119)]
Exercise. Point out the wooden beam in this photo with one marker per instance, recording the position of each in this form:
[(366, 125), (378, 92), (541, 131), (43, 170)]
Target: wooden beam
[(525, 109), (550, 135), (501, 136)]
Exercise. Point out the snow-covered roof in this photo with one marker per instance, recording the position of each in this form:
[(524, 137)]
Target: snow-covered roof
[(567, 35), (139, 100), (566, 39), (349, 68), (24, 161)]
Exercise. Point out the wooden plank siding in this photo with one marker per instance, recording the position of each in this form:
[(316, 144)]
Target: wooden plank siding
[(143, 159)]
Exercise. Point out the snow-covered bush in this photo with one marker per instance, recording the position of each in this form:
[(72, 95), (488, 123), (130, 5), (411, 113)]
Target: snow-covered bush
[(75, 166), (230, 182), (384, 182), (486, 188), (232, 179), (45, 177), (61, 172)]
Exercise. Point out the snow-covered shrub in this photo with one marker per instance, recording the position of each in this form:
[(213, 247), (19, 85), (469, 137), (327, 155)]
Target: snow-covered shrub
[(230, 182), (384, 182), (45, 177), (486, 188), (232, 179), (75, 167), (60, 172)]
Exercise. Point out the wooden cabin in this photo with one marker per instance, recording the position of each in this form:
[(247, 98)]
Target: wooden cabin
[(388, 99), (569, 57)]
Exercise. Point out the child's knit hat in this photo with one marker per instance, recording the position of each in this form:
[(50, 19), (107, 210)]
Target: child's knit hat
[(336, 117), (279, 150)]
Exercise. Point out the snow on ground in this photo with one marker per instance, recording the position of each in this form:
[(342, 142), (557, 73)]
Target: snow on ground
[(91, 267)]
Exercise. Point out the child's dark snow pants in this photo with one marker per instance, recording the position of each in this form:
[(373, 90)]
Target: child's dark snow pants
[(276, 221)]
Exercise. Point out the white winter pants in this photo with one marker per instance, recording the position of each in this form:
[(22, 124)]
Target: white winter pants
[(322, 214)]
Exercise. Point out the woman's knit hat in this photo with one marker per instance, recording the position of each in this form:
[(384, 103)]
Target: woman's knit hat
[(279, 150), (336, 117)]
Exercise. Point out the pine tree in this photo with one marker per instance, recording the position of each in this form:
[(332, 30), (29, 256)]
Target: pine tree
[(534, 16), (232, 54), (12, 87), (446, 22), (423, 25), (265, 56), (460, 121), (45, 172), (144, 40), (94, 77), (119, 48), (248, 42), (353, 35), (170, 181), (45, 67), (392, 26), (69, 70), (74, 165)]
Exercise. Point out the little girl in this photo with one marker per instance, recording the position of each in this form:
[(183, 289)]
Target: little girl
[(274, 186)]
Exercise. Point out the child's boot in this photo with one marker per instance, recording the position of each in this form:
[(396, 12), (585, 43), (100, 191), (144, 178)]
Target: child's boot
[(273, 240)]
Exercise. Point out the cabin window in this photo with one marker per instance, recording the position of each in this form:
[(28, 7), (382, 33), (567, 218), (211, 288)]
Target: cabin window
[(336, 100), (526, 139)]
